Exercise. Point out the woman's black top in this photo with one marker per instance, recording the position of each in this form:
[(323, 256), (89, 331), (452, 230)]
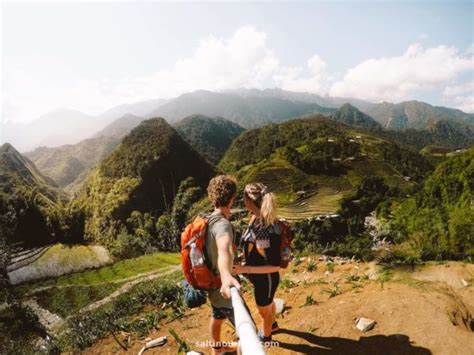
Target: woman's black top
[(262, 244)]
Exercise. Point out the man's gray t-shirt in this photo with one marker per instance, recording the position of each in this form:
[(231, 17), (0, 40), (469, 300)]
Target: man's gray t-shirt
[(218, 226)]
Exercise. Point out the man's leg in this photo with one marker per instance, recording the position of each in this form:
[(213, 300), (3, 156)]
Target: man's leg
[(218, 316), (215, 327)]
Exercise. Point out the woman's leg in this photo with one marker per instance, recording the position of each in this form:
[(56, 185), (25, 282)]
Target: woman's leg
[(268, 316)]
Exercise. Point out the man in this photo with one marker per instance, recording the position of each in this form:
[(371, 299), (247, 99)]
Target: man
[(219, 251)]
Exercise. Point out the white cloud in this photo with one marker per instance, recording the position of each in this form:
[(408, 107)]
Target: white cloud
[(423, 36), (243, 60), (465, 103), (294, 78), (462, 95), (399, 78), (454, 90)]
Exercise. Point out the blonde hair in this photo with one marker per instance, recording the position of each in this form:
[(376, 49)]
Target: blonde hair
[(263, 199)]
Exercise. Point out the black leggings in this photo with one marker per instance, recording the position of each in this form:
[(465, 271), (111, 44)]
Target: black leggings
[(265, 286)]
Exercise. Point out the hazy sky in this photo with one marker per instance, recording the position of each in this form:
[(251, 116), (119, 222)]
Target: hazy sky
[(90, 56)]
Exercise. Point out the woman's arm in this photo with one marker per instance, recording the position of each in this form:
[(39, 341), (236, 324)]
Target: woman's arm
[(266, 269)]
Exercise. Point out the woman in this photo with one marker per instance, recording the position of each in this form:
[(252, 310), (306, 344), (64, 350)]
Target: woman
[(261, 243)]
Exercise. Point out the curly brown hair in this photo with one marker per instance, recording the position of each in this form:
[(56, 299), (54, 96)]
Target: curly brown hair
[(221, 189)]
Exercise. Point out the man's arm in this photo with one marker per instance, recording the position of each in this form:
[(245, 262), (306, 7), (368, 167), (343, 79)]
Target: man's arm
[(225, 259)]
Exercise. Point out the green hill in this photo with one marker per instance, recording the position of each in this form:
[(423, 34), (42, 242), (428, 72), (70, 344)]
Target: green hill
[(69, 164), (312, 163), (248, 111), (438, 221), (414, 114), (210, 136), (26, 198), (139, 179), (350, 115)]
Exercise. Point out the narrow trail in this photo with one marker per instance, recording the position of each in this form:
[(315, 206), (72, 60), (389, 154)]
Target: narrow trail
[(126, 287), (54, 324), (50, 321), (118, 281)]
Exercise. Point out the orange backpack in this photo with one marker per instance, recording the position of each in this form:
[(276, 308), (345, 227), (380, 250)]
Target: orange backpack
[(285, 243), (200, 277)]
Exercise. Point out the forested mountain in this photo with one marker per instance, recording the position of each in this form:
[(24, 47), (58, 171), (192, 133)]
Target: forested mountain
[(414, 114), (444, 133), (248, 111), (210, 136), (318, 158), (350, 115), (325, 101), (67, 165), (140, 178), (26, 198), (437, 222)]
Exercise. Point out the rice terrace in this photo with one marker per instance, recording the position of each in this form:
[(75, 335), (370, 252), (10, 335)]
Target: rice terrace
[(237, 178)]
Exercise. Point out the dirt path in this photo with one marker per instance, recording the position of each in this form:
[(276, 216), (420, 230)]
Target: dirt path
[(50, 321), (413, 316), (124, 288), (126, 279)]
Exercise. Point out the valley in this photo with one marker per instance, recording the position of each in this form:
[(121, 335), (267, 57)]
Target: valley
[(90, 230)]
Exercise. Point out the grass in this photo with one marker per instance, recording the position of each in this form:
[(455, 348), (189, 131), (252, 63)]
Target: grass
[(332, 292), (309, 301), (330, 267), (69, 300), (120, 270), (62, 259), (311, 266), (286, 283), (385, 275)]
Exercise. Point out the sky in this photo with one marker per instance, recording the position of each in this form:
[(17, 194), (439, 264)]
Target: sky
[(93, 56)]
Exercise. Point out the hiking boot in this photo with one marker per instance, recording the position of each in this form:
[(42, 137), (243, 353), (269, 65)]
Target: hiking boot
[(265, 340), (224, 350), (275, 327)]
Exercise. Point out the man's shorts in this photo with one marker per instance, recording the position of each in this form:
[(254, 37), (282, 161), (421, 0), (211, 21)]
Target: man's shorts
[(223, 313)]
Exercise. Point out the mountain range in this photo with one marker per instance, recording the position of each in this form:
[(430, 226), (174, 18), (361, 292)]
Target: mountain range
[(246, 107)]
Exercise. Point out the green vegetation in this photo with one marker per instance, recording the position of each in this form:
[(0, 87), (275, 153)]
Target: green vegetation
[(350, 115), (26, 200), (19, 327), (126, 313), (309, 301), (68, 165), (256, 145), (68, 300), (437, 222), (121, 270), (209, 136), (125, 196), (248, 111), (414, 114), (61, 259), (344, 233)]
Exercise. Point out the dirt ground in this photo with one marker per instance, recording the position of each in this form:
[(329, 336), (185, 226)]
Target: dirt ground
[(425, 311)]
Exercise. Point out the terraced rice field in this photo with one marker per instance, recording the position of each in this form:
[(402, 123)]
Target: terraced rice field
[(324, 201), (322, 193)]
